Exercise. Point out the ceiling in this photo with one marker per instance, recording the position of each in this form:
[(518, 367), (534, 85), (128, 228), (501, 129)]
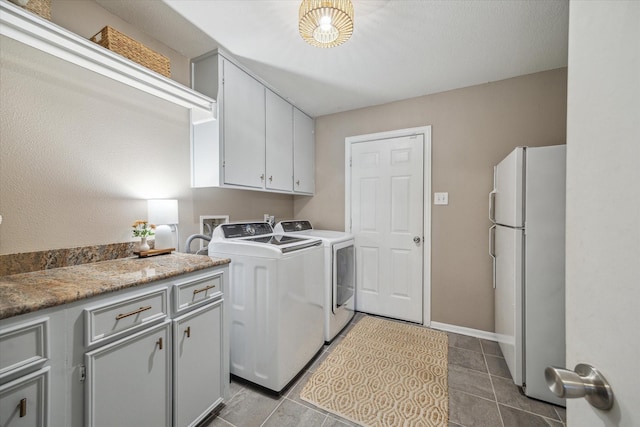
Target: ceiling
[(399, 49)]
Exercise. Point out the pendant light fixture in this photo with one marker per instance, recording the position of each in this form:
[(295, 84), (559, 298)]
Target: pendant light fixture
[(326, 23)]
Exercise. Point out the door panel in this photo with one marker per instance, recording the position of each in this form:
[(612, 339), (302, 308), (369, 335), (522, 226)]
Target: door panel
[(603, 205), (279, 143), (508, 190), (508, 297), (400, 268), (400, 193), (197, 364), (387, 213), (243, 127), (368, 262), (303, 153), (369, 188)]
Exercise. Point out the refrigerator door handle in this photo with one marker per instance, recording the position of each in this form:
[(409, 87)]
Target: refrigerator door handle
[(492, 250), (492, 206)]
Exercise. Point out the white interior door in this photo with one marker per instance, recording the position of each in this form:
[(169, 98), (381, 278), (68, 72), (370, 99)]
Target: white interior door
[(603, 205), (386, 216)]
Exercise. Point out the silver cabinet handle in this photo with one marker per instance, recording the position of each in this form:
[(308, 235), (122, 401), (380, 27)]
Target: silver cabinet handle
[(271, 178), (585, 382), (492, 250), (298, 183), (492, 206), (416, 240), (262, 177)]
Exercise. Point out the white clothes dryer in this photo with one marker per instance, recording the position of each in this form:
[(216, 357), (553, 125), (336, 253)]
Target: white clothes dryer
[(339, 276), (275, 301)]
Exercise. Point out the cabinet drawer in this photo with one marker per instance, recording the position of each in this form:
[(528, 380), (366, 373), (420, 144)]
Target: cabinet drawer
[(125, 316), (23, 402), (24, 347), (195, 292)]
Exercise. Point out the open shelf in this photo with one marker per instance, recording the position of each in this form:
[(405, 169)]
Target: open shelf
[(28, 28)]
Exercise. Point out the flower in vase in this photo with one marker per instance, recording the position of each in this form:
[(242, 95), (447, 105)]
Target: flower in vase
[(143, 229)]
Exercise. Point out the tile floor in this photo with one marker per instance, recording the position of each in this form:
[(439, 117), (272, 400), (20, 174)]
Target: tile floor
[(481, 393)]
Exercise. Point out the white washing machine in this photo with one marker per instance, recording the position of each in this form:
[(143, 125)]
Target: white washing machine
[(275, 301), (339, 273)]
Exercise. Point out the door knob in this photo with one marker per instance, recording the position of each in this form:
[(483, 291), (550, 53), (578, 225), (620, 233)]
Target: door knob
[(416, 240), (585, 382)]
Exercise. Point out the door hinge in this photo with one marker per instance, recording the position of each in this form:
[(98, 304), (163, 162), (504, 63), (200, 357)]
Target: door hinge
[(350, 161), (223, 163), (83, 373)]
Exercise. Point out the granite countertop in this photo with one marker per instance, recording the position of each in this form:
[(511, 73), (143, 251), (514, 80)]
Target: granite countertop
[(27, 292)]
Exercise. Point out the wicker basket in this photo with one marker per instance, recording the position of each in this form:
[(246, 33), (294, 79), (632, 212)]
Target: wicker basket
[(124, 45), (39, 7)]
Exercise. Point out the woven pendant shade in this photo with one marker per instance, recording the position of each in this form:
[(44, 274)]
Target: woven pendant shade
[(326, 23)]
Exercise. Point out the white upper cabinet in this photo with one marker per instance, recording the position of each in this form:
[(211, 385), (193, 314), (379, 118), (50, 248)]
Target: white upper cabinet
[(242, 120), (303, 153), (279, 143), (38, 33), (253, 143)]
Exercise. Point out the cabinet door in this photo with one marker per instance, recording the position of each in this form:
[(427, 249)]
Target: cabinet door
[(303, 153), (197, 361), (23, 402), (243, 129), (279, 143), (129, 381)]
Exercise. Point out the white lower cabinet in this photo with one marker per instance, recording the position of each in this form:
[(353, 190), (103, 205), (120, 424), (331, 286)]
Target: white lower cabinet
[(155, 355), (24, 401), (147, 365), (128, 382), (197, 363)]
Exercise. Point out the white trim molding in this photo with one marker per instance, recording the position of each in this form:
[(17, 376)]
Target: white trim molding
[(491, 336)]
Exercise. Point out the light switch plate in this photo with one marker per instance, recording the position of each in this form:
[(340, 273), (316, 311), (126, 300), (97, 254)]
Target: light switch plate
[(440, 198)]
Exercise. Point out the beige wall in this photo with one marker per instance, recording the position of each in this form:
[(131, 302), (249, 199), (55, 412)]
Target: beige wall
[(472, 129), (80, 154)]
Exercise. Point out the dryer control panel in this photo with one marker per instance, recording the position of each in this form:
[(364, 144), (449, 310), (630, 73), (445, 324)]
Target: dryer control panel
[(291, 226)]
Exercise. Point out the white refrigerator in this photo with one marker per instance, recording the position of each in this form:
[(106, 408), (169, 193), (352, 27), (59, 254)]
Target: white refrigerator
[(527, 244)]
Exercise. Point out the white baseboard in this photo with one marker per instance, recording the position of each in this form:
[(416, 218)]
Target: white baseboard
[(491, 336)]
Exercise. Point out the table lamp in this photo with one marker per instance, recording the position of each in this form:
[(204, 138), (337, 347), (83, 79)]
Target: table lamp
[(164, 214)]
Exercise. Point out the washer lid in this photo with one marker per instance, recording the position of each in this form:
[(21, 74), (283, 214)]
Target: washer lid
[(259, 234)]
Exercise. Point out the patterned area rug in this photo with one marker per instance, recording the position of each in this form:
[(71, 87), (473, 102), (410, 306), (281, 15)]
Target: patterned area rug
[(385, 373)]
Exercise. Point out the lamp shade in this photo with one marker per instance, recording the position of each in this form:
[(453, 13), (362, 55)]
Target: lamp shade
[(162, 211), (325, 23)]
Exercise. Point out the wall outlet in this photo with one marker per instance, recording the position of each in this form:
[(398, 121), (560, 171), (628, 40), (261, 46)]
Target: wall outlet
[(440, 198)]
